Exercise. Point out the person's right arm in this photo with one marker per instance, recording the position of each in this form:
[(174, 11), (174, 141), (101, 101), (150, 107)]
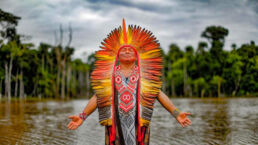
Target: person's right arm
[(76, 120)]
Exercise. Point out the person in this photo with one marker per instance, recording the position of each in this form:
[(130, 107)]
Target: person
[(126, 81)]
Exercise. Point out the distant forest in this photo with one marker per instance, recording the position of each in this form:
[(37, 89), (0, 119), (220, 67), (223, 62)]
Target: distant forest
[(47, 71)]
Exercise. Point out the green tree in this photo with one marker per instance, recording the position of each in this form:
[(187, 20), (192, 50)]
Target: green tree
[(216, 36), (217, 81), (199, 84), (232, 73), (173, 55), (249, 79)]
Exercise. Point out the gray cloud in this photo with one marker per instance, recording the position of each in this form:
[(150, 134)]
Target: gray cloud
[(177, 21)]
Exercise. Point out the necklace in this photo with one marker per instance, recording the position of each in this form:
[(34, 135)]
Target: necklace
[(127, 73)]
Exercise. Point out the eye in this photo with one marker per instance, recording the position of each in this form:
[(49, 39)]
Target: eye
[(123, 50)]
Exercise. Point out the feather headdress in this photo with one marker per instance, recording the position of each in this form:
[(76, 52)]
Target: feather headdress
[(150, 63)]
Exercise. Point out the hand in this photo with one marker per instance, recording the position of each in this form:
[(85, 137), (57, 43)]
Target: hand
[(75, 123), (183, 120)]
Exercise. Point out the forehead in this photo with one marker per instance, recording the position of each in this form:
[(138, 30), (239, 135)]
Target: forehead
[(126, 48)]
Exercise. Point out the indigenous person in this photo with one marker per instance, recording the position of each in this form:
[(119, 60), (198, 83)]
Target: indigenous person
[(126, 81)]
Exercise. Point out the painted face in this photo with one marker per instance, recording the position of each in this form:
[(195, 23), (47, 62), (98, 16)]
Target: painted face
[(127, 55)]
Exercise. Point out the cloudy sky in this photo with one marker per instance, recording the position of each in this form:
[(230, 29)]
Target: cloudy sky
[(171, 21)]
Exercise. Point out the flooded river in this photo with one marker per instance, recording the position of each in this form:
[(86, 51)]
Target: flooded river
[(214, 122)]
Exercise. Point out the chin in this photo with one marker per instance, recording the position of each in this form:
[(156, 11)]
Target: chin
[(127, 60)]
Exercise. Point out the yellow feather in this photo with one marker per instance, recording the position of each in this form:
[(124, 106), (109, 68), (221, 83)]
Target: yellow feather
[(105, 57), (121, 39), (150, 54), (129, 35)]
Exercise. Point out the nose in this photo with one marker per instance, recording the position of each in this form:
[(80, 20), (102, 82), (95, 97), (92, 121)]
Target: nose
[(127, 50)]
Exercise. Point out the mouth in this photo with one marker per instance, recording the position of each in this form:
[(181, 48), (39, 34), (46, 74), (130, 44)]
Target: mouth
[(127, 55)]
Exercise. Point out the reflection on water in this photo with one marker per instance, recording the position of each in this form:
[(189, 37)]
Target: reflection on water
[(214, 121)]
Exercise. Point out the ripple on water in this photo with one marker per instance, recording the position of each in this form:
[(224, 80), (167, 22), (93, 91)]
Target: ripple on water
[(214, 122)]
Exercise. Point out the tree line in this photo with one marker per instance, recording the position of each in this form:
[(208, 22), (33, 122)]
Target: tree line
[(48, 70)]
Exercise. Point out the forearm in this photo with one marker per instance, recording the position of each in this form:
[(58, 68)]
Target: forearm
[(166, 102), (91, 106)]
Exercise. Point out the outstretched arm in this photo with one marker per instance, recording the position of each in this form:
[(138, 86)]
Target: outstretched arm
[(181, 117), (91, 106), (166, 102), (77, 120)]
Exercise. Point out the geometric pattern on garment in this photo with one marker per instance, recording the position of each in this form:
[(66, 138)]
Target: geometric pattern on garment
[(126, 89), (127, 104)]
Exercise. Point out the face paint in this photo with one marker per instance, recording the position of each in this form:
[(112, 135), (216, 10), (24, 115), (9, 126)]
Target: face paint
[(127, 55)]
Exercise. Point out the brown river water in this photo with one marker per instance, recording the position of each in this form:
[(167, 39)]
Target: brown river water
[(214, 122)]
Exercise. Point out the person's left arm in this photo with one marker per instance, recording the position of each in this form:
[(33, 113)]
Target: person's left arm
[(181, 117)]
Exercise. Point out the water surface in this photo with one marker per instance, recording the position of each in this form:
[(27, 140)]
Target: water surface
[(214, 122)]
